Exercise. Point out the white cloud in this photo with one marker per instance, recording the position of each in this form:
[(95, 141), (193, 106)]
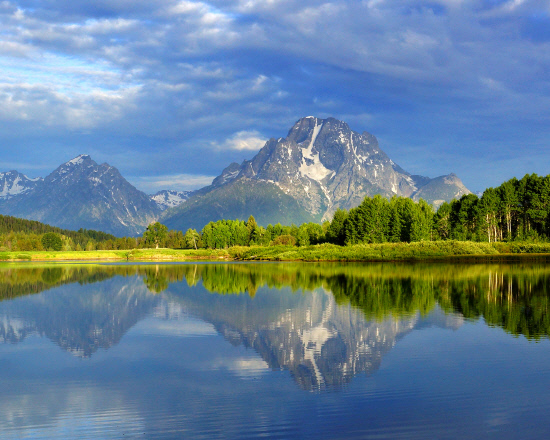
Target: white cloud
[(244, 367), (197, 73), (245, 140), (42, 105), (180, 182)]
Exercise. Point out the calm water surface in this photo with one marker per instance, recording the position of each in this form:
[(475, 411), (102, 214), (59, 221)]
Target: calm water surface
[(321, 351)]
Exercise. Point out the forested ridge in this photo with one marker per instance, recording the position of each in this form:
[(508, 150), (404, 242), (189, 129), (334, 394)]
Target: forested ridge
[(516, 211)]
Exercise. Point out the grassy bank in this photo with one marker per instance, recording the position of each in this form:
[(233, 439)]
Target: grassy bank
[(428, 250), (122, 255)]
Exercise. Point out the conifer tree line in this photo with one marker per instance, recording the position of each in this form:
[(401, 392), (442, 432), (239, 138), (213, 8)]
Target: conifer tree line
[(517, 210), (26, 235)]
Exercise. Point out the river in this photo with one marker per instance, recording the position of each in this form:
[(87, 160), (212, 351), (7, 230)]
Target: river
[(275, 350)]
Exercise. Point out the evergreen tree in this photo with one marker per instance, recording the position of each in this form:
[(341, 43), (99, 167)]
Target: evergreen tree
[(252, 227), (337, 231)]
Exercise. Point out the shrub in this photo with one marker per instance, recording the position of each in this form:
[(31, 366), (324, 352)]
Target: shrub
[(52, 241), (286, 240)]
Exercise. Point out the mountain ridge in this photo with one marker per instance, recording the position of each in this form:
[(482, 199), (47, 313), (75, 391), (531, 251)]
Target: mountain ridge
[(322, 165), (83, 194), (319, 167)]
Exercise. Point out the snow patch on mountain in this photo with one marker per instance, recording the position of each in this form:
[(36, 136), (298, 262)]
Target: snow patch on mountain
[(78, 160), (311, 165), (169, 198), (13, 184)]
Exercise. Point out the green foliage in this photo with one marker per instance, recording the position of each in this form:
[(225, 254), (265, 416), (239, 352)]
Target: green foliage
[(52, 241), (285, 240), (191, 239), (516, 210), (378, 220), (155, 234), (252, 228), (336, 233), (225, 233)]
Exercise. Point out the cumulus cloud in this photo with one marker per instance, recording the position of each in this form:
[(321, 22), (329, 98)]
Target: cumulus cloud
[(245, 140), (220, 72)]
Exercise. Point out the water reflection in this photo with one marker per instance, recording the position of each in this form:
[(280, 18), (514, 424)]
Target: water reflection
[(227, 350), (81, 321), (324, 323)]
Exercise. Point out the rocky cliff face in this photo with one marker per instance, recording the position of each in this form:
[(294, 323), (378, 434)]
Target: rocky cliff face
[(13, 184), (321, 165), (324, 165)]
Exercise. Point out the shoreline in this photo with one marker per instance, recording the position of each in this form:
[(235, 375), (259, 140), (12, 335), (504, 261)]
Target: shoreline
[(380, 252)]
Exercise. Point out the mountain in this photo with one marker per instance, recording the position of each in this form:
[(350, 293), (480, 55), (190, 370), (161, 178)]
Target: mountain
[(321, 165), (441, 189), (82, 194), (13, 183), (169, 198)]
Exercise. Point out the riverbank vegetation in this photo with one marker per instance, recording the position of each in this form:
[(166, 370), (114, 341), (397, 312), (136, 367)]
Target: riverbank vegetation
[(513, 218), (441, 250)]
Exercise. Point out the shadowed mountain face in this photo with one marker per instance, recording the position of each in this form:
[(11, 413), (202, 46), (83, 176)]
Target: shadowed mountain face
[(321, 165), (82, 194), (323, 323)]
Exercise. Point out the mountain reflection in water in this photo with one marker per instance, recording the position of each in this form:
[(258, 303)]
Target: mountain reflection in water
[(325, 323)]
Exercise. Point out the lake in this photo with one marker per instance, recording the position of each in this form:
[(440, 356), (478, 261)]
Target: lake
[(275, 350)]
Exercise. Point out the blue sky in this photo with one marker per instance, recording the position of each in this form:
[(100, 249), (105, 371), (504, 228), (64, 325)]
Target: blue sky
[(170, 91)]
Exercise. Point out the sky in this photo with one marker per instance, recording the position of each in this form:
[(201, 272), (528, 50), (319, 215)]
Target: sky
[(170, 92)]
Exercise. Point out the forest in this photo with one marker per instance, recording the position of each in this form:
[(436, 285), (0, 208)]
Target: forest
[(516, 211)]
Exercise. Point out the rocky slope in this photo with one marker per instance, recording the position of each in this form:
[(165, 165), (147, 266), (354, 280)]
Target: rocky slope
[(321, 165)]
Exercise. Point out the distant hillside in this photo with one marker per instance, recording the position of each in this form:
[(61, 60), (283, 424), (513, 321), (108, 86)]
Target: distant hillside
[(13, 224), (170, 198)]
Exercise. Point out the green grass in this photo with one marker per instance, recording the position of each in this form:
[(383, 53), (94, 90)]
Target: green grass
[(117, 255), (427, 250)]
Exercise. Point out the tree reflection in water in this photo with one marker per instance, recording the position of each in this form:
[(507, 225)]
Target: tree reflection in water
[(323, 322)]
